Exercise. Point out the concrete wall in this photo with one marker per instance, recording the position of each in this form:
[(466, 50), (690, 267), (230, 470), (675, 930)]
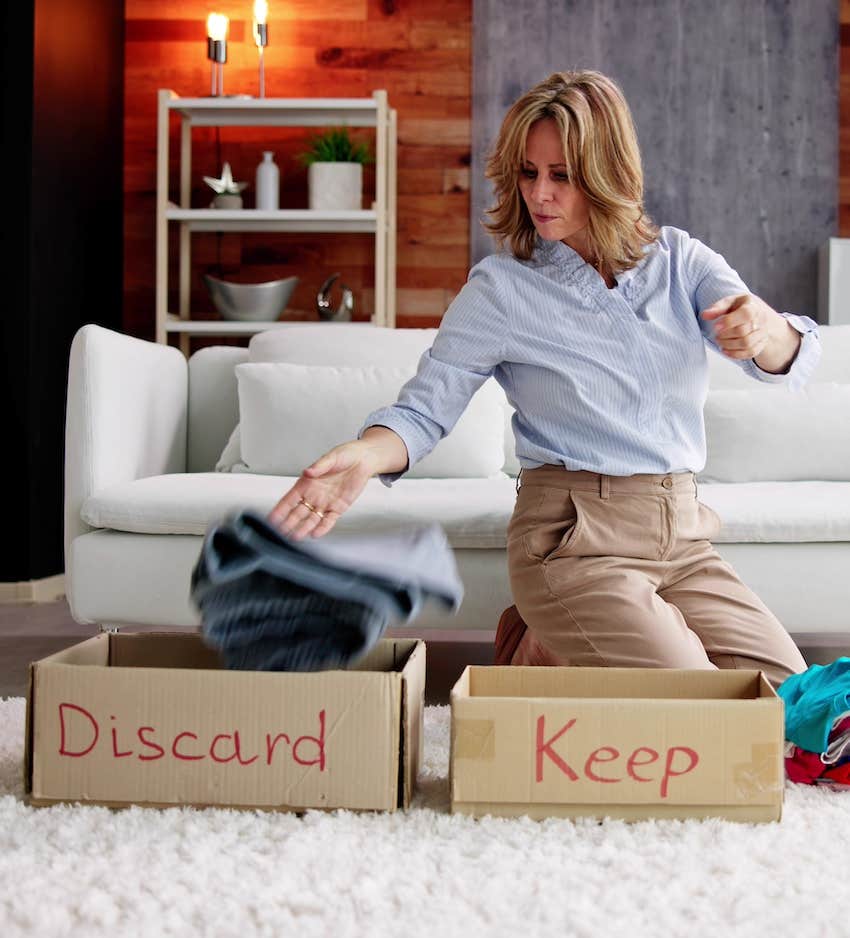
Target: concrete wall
[(736, 107)]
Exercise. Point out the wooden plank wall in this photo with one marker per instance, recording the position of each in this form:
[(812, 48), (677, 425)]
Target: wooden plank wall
[(418, 50), (844, 124)]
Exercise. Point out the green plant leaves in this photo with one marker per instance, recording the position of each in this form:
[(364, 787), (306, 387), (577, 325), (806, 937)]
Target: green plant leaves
[(335, 146)]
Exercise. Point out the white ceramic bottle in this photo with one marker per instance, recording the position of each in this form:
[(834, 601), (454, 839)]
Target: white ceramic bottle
[(268, 183)]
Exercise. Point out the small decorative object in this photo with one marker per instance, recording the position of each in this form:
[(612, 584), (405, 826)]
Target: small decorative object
[(335, 171), (250, 302), (323, 302), (217, 26), (261, 37), (227, 191), (268, 183)]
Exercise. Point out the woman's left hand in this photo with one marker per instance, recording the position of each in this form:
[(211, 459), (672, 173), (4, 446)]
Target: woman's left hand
[(743, 324)]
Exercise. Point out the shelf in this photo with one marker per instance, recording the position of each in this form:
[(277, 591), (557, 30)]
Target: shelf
[(239, 111), (248, 219), (379, 221), (223, 327)]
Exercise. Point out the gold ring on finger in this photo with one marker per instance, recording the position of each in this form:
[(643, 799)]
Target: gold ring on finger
[(312, 508)]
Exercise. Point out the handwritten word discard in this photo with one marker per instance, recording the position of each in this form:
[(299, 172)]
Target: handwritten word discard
[(80, 734)]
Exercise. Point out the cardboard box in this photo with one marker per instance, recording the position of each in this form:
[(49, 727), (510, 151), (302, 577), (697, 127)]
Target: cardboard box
[(628, 743), (155, 719)]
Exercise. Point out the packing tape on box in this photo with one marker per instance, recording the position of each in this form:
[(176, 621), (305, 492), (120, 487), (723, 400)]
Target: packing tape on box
[(475, 739), (759, 775)]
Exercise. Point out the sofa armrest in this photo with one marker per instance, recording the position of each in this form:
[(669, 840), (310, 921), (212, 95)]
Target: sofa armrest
[(125, 417)]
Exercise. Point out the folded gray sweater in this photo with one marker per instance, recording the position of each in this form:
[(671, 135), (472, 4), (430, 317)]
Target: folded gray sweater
[(268, 602)]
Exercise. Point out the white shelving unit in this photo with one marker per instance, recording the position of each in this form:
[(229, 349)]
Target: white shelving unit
[(268, 112), (834, 282)]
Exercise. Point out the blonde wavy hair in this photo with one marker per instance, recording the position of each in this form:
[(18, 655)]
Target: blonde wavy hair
[(603, 160)]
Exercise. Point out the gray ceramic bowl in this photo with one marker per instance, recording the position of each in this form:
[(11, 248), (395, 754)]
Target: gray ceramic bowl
[(250, 302)]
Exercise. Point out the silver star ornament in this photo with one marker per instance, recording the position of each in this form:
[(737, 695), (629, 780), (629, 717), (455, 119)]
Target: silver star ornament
[(225, 185)]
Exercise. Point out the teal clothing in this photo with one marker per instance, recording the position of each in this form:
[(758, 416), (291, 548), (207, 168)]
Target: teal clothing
[(813, 701)]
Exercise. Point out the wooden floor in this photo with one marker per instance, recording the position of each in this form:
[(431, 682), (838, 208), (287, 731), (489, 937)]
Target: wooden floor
[(32, 631)]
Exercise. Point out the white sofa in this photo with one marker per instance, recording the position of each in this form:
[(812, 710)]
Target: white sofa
[(145, 429)]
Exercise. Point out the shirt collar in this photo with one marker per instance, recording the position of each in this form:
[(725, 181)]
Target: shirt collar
[(571, 263), (561, 255)]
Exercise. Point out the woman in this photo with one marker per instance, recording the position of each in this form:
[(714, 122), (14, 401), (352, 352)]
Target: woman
[(595, 322)]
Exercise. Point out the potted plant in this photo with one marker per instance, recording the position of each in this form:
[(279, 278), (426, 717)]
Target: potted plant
[(335, 170)]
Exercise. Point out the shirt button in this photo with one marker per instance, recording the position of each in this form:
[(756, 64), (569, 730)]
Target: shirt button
[(667, 482)]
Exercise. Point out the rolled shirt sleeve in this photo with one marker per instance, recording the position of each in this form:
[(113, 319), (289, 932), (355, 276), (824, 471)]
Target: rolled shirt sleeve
[(712, 279), (469, 345)]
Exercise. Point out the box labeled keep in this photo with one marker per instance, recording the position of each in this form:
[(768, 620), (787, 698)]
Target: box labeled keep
[(155, 719), (628, 743)]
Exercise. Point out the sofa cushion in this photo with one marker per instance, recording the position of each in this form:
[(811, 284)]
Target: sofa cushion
[(778, 435), (213, 404), (118, 577), (834, 364), (341, 344), (292, 414), (349, 345), (779, 512), (473, 512)]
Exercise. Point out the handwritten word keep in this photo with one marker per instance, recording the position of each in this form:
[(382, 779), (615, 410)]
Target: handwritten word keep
[(678, 760)]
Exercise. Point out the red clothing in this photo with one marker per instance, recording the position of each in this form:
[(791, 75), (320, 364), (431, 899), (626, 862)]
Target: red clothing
[(804, 766), (839, 773)]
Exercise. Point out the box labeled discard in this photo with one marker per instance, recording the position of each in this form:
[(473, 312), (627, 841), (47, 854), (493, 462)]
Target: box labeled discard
[(155, 719), (628, 743)]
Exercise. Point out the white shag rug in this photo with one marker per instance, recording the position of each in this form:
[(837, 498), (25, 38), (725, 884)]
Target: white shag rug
[(90, 871)]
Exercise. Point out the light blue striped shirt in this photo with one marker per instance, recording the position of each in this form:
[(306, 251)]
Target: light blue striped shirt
[(610, 380)]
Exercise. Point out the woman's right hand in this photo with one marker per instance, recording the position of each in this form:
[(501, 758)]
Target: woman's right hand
[(325, 490)]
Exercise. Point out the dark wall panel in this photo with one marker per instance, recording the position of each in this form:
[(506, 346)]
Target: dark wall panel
[(63, 103), (15, 234), (736, 107)]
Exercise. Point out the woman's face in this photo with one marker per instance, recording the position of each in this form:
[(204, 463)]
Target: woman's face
[(558, 209)]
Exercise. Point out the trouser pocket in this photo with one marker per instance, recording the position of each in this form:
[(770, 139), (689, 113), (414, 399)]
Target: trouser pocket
[(572, 523), (543, 520), (551, 523)]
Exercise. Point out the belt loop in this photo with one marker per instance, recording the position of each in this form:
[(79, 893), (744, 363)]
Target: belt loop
[(604, 486), (518, 475), (696, 490)]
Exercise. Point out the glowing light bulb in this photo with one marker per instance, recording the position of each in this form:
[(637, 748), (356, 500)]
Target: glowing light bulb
[(261, 38), (217, 25)]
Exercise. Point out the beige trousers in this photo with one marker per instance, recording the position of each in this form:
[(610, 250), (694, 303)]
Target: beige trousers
[(619, 571)]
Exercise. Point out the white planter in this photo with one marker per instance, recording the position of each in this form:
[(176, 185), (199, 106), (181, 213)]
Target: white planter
[(335, 186), (227, 201)]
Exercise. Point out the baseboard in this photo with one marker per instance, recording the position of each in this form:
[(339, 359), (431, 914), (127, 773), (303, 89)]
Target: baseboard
[(46, 590)]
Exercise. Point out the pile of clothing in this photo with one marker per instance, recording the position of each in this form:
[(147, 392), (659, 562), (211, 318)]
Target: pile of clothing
[(817, 724), (270, 603)]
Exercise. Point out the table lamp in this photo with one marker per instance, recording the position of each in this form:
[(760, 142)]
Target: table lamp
[(261, 37), (217, 25)]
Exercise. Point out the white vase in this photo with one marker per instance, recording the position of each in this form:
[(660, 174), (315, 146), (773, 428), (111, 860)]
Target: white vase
[(268, 183), (335, 186)]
